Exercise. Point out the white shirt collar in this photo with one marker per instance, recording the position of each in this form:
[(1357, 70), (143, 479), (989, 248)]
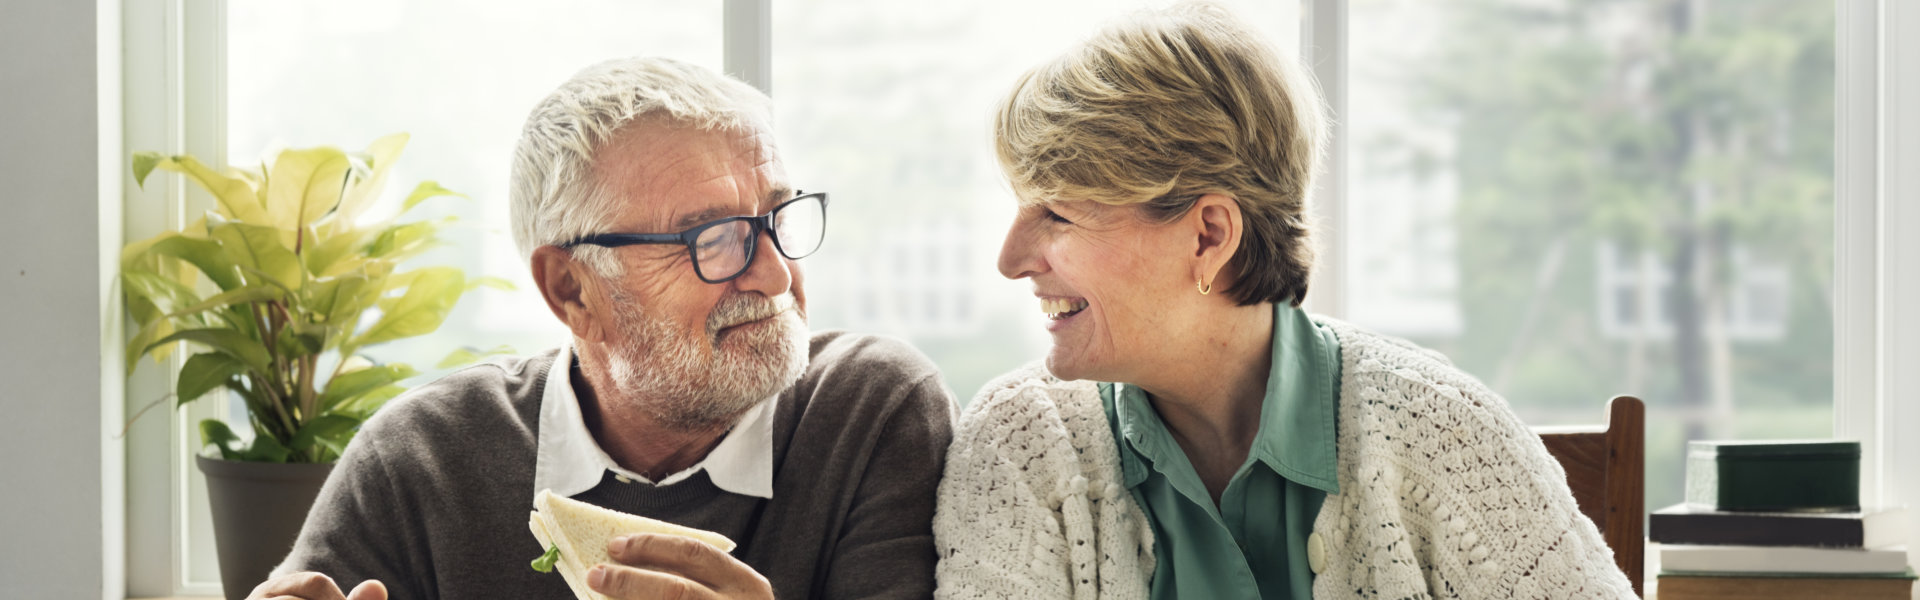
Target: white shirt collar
[(569, 461)]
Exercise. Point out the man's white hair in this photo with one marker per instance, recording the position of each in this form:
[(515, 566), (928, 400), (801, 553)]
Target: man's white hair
[(555, 197)]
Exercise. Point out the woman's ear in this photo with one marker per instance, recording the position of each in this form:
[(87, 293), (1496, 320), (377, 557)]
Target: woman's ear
[(1218, 226), (563, 283)]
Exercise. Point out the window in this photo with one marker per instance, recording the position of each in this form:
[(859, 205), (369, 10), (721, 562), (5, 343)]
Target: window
[(1575, 199)]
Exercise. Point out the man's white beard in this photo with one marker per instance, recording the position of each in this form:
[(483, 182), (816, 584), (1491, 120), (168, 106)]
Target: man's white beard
[(699, 381)]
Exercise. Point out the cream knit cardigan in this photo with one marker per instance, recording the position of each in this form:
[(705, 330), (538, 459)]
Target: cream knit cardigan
[(1443, 494)]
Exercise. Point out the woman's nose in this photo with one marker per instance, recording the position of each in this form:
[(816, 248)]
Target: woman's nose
[(1017, 256)]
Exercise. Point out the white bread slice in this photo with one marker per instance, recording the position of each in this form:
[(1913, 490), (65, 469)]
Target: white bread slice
[(569, 571), (582, 531)]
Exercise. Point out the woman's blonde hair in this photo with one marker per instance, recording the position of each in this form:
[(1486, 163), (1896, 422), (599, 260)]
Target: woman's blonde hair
[(1164, 107)]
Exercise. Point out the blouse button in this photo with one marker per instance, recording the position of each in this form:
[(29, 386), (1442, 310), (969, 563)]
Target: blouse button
[(1316, 553)]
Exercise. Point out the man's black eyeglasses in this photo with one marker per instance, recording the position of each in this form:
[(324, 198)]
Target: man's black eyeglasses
[(723, 249)]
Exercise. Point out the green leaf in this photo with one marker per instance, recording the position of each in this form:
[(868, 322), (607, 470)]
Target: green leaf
[(545, 563), (237, 199), (245, 295), (335, 300), (143, 164), (299, 340), (350, 385), (258, 249), (227, 341), (204, 372), (470, 354), (426, 189), (401, 241), (325, 253), (305, 185), (329, 431), (265, 449), (143, 310), (165, 293), (490, 281), (215, 433), (205, 255), (144, 342), (383, 152), (370, 402), (430, 296)]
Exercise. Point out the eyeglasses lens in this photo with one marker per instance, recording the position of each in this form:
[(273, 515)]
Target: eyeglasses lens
[(721, 250), (801, 227)]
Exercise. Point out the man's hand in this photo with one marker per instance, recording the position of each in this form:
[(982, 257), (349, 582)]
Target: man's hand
[(315, 586), (670, 567)]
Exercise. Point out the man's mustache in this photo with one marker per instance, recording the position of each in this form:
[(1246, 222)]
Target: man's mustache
[(747, 308)]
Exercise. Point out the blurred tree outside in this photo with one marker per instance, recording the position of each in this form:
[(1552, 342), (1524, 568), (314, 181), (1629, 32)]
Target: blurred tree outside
[(1642, 205)]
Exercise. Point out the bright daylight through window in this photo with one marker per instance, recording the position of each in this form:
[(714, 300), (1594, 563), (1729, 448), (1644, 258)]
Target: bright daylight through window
[(1574, 199)]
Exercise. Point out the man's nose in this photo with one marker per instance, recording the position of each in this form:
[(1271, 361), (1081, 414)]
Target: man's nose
[(769, 272)]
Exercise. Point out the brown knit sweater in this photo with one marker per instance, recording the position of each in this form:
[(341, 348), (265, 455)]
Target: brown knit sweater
[(432, 497)]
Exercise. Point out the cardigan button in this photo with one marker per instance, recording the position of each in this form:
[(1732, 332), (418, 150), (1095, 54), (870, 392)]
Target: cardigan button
[(1316, 553)]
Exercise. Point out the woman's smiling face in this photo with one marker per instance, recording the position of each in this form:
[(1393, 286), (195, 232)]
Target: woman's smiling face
[(1105, 277)]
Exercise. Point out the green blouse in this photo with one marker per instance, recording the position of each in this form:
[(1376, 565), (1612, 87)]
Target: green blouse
[(1255, 543)]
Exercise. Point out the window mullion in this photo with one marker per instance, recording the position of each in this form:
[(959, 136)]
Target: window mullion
[(1899, 279), (1323, 45), (1856, 328), (747, 42)]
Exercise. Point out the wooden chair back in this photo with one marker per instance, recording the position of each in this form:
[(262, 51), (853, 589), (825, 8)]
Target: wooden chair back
[(1606, 468)]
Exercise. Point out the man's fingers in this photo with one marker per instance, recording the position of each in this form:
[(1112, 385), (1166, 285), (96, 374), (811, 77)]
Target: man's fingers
[(302, 586), (369, 590), (685, 556), (623, 583)]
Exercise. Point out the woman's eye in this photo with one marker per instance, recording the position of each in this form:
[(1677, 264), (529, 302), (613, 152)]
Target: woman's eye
[(1055, 217)]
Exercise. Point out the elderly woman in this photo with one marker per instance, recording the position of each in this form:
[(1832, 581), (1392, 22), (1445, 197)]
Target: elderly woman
[(1193, 433)]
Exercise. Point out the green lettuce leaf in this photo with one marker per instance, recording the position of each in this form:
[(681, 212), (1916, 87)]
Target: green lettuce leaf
[(544, 564)]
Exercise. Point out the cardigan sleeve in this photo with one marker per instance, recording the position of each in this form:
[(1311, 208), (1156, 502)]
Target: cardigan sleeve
[(1442, 475), (1530, 528), (996, 535), (1031, 505)]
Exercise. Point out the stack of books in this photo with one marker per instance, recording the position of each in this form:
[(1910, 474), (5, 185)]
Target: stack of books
[(1753, 529)]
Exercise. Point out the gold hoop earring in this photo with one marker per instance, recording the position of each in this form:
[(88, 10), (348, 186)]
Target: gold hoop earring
[(1205, 288)]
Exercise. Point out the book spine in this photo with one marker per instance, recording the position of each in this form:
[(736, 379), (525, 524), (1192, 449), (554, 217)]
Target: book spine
[(1756, 530), (1748, 588)]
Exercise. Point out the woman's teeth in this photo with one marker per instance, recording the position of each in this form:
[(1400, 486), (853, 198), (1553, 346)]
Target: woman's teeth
[(1061, 308)]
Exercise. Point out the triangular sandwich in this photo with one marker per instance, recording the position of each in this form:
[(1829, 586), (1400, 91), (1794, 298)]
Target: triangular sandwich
[(578, 532)]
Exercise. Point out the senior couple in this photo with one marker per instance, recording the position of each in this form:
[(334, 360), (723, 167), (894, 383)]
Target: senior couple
[(1191, 433)]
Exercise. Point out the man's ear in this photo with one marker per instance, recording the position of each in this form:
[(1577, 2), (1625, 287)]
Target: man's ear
[(563, 283), (1217, 225)]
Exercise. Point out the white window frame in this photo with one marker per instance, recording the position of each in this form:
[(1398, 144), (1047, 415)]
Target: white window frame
[(174, 89), (175, 100), (1876, 334)]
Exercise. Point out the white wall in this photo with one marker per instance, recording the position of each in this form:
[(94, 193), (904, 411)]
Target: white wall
[(62, 504)]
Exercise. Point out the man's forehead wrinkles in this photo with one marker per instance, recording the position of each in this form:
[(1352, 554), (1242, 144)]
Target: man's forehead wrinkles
[(688, 178), (710, 214)]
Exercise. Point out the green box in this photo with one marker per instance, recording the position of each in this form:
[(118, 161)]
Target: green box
[(1774, 475)]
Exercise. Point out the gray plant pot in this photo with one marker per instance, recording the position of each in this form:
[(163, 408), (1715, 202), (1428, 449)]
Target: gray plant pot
[(257, 512)]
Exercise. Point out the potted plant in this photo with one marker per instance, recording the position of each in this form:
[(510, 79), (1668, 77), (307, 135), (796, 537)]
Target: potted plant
[(275, 294)]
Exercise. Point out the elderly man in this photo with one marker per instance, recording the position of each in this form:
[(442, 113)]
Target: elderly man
[(661, 228)]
